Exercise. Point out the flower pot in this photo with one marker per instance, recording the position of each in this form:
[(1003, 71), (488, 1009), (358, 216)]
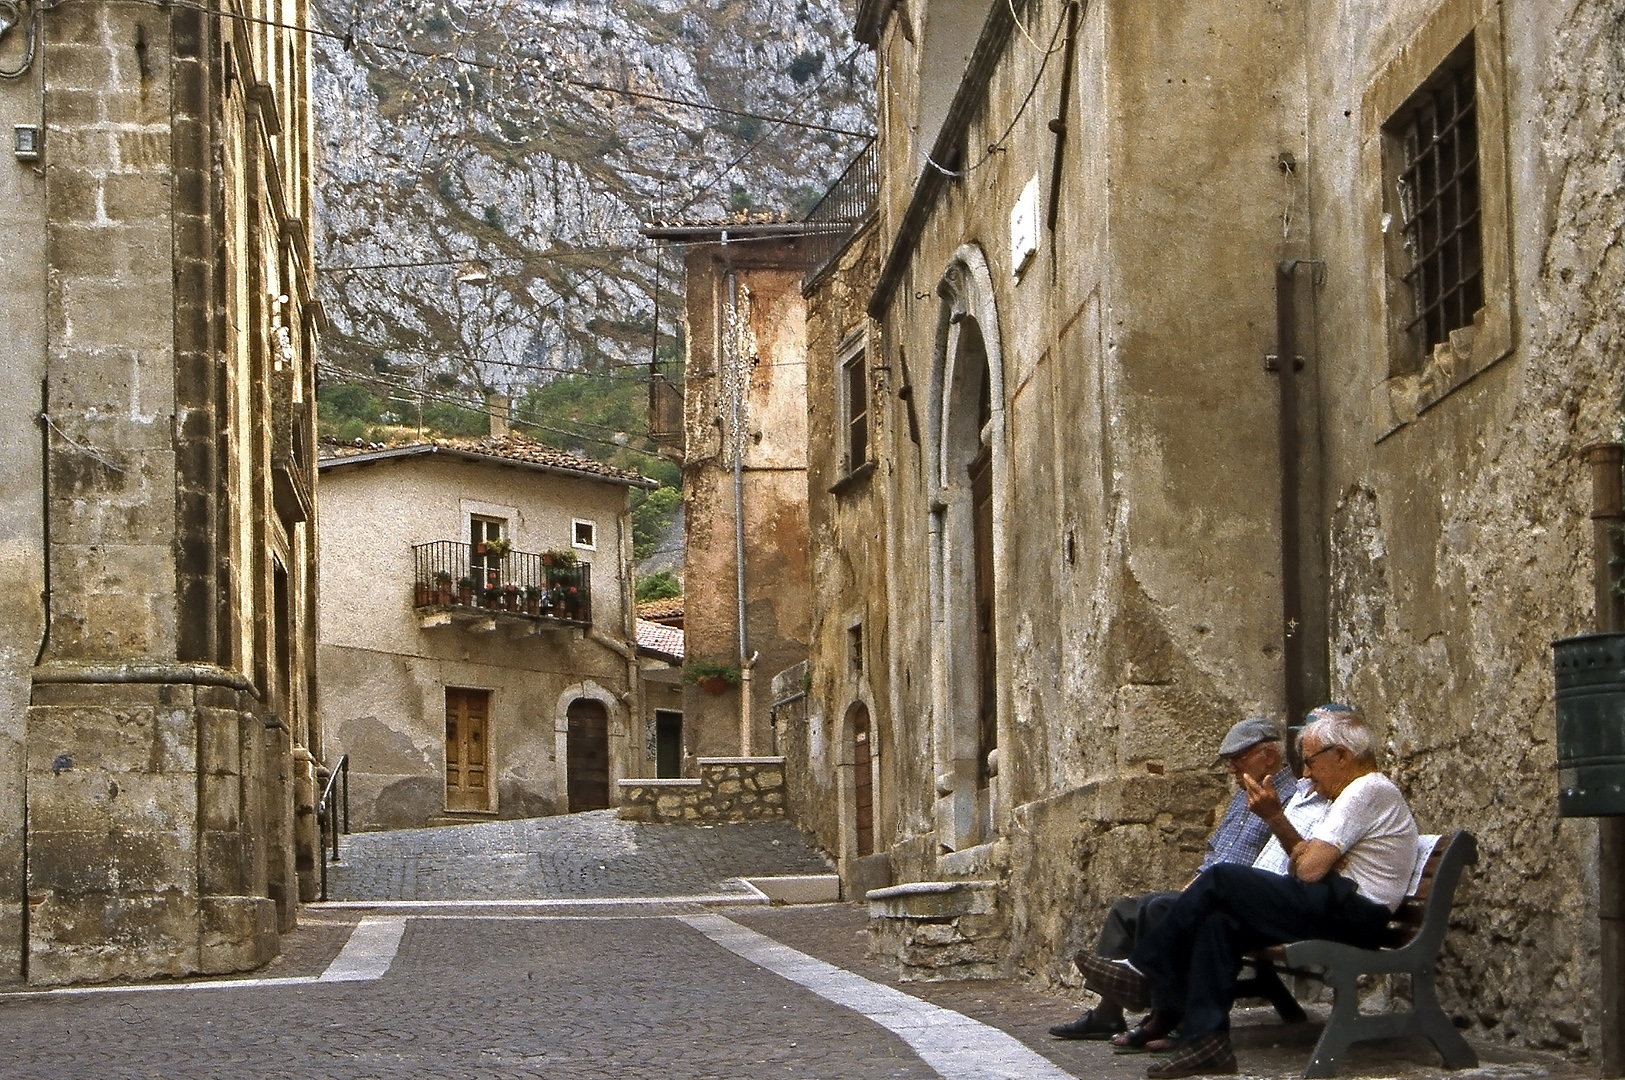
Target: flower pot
[(442, 594), (712, 684), (422, 595), (533, 605), (465, 595)]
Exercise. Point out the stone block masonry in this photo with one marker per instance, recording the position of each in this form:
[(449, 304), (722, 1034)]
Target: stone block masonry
[(928, 931), (727, 790), (142, 859)]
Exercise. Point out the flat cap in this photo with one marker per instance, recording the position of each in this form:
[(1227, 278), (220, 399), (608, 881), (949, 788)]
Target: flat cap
[(1249, 733)]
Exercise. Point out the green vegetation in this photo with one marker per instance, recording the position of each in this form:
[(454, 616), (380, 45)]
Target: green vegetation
[(660, 585), (652, 514)]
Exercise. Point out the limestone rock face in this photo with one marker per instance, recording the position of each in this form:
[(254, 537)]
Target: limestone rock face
[(518, 161)]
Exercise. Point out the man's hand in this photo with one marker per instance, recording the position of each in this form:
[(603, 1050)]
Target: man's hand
[(1261, 798), (1263, 801)]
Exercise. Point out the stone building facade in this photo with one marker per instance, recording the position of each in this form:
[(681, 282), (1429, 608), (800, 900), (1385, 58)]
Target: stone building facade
[(159, 541), (476, 648), (744, 402), (1220, 360)]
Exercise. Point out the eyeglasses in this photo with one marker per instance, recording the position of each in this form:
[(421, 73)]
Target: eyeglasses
[(1308, 759)]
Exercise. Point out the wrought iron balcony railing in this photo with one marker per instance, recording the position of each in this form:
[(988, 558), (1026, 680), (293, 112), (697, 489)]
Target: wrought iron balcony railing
[(472, 579), (844, 208)]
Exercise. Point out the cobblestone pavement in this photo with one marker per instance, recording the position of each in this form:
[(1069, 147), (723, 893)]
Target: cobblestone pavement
[(497, 989), (572, 856), (474, 998)]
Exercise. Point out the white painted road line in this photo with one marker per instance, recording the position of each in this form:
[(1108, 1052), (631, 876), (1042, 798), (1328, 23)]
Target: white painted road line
[(753, 896), (369, 952), (955, 1046), (366, 957)]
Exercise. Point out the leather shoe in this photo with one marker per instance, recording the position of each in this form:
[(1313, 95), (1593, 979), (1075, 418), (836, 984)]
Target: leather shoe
[(1089, 1026), (1202, 1055), (1115, 982)]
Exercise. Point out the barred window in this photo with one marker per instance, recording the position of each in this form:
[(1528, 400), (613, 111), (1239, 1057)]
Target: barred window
[(1439, 201)]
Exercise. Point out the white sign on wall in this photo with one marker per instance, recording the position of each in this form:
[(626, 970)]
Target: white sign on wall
[(1024, 228)]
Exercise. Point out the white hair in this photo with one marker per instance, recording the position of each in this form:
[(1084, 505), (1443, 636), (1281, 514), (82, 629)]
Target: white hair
[(1339, 725)]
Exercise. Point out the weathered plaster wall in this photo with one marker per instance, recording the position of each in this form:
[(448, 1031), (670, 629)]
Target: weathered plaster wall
[(22, 561), (1136, 547), (846, 530), (1460, 543), (384, 676), (774, 485)]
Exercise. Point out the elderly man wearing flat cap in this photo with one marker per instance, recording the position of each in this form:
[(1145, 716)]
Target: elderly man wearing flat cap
[(1251, 750)]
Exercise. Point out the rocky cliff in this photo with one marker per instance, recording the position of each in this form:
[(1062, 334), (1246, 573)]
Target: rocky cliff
[(486, 164)]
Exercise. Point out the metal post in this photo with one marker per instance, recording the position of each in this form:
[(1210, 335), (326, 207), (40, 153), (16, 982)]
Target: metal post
[(1608, 545)]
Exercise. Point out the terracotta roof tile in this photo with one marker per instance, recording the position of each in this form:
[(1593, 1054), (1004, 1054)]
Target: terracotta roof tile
[(663, 641), (498, 448)]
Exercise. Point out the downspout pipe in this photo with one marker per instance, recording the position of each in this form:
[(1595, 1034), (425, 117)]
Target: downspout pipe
[(1287, 364), (736, 417)]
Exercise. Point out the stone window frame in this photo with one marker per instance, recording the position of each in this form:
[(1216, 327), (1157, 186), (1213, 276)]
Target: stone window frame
[(591, 543), (1408, 384), (854, 350)]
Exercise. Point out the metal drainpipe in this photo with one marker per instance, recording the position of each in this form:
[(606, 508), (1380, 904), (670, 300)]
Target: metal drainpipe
[(1607, 517), (736, 410), (1286, 366)]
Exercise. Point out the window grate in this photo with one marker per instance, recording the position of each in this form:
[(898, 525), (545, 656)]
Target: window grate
[(1439, 202)]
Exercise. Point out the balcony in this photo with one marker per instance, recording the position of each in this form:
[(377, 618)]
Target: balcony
[(460, 583), (836, 217)]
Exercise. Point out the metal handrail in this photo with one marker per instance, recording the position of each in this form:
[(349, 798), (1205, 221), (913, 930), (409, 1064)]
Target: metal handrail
[(327, 813)]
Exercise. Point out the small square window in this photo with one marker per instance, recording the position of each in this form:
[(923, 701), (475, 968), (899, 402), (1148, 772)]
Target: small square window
[(584, 534), (854, 647)]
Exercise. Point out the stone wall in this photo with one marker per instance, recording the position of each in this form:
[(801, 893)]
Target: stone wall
[(727, 790), (170, 679)]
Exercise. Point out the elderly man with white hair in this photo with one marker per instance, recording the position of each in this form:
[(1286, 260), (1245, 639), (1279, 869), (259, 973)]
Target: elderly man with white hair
[(1346, 879)]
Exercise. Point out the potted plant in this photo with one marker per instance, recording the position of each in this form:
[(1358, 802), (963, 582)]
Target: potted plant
[(510, 597), (422, 595), (465, 590), (491, 594), (712, 676), (572, 602), (442, 587), (533, 599), (558, 557)]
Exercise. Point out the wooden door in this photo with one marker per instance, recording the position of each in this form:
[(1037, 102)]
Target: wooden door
[(981, 485), (863, 784), (467, 749), (587, 755)]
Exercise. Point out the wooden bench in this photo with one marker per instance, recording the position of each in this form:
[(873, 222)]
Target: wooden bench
[(1414, 937)]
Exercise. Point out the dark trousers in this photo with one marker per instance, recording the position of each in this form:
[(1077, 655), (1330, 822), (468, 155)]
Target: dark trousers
[(1194, 952), (1130, 919)]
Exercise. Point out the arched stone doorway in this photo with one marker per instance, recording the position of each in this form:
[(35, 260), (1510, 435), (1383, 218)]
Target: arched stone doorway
[(587, 755), (966, 495)]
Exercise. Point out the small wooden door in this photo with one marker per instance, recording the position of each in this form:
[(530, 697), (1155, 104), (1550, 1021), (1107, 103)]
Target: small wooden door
[(467, 749), (863, 784), (587, 755)]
